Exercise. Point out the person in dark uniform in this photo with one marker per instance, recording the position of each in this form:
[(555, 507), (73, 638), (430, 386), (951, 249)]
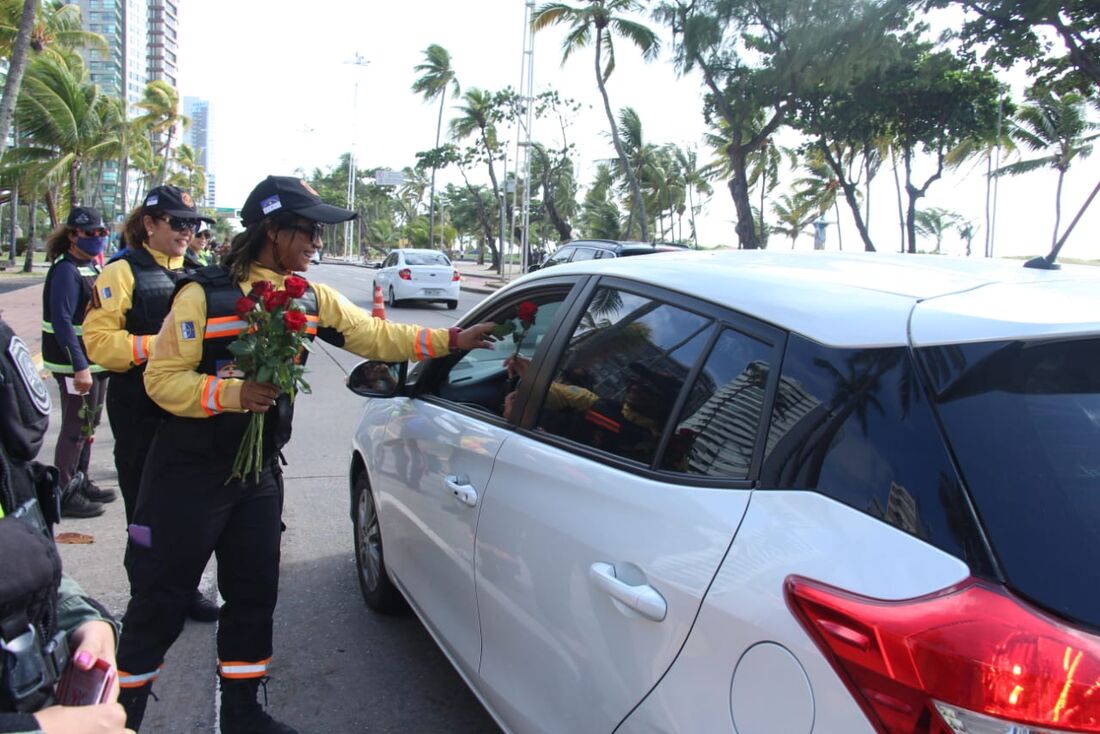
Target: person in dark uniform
[(131, 299), (46, 621), (189, 508), (197, 255), (72, 248)]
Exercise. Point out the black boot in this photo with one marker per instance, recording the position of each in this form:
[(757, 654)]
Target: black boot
[(134, 700), (202, 609), (242, 714)]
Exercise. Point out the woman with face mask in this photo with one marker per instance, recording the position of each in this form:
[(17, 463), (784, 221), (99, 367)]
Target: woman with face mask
[(73, 249)]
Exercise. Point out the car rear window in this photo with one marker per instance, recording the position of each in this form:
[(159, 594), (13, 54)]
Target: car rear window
[(1023, 419), (426, 258)]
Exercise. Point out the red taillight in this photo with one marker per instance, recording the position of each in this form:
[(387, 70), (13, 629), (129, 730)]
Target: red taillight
[(405, 274), (455, 276), (975, 647)]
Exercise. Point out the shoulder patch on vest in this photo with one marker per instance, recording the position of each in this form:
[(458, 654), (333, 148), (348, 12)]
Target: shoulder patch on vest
[(36, 389), (187, 330), (106, 291)]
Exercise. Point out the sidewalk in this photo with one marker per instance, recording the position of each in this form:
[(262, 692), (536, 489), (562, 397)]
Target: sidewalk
[(21, 305)]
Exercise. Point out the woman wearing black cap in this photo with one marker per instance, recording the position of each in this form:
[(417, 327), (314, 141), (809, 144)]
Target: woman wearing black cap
[(73, 248), (192, 509), (131, 298)]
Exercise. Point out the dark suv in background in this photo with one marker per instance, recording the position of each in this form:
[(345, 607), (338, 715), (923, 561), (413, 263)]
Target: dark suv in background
[(578, 250)]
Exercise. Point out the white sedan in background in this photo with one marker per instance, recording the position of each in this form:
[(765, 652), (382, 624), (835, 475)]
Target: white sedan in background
[(424, 275)]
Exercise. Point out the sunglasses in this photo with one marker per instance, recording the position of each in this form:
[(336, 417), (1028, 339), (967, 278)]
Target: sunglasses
[(205, 234), (314, 231), (99, 232), (179, 224)]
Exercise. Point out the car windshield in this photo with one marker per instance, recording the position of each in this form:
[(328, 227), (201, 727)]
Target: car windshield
[(426, 258), (1023, 419)]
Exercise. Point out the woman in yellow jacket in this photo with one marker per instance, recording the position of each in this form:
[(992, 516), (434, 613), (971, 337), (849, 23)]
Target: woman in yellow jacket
[(132, 296), (191, 509)]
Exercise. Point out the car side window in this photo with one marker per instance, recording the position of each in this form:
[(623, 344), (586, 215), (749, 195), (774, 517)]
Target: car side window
[(480, 378), (716, 432), (619, 378), (561, 256), (583, 253)]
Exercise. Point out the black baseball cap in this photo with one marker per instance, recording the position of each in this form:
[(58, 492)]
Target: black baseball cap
[(290, 194), (84, 217), (173, 201)]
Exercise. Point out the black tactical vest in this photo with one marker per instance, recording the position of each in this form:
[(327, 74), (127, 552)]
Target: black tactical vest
[(153, 289), (55, 357), (222, 433), (33, 652)]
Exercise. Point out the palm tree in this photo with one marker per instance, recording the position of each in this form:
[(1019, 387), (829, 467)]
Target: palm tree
[(191, 175), (60, 113), (477, 115), (695, 178), (437, 75), (793, 216), (1059, 124), (641, 158), (934, 222), (161, 103), (820, 189), (17, 63), (599, 214), (602, 20)]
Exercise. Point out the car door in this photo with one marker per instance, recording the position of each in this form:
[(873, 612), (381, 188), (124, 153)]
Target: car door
[(608, 514), (433, 467), (382, 275)]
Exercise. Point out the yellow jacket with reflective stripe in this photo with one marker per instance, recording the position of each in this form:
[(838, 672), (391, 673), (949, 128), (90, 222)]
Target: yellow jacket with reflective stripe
[(172, 381), (108, 342)]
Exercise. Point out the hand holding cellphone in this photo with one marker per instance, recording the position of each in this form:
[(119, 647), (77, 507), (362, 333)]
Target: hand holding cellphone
[(85, 687)]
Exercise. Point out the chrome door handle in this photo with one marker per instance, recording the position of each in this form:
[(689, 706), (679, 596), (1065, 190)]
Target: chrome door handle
[(460, 488), (643, 599)]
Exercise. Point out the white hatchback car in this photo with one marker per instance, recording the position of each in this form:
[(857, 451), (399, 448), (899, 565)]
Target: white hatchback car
[(762, 493), (424, 275)]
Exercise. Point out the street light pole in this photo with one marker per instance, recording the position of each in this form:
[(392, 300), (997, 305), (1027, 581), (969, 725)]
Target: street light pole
[(353, 173)]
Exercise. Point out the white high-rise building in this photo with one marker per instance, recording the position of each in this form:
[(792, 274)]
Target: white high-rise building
[(198, 137)]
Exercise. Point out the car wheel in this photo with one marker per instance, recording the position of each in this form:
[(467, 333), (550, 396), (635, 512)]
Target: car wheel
[(390, 298), (452, 305), (378, 591)]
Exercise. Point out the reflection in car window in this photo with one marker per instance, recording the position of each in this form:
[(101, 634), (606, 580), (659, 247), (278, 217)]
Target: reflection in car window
[(621, 373), (560, 256), (854, 424), (479, 377), (716, 434), (426, 258)]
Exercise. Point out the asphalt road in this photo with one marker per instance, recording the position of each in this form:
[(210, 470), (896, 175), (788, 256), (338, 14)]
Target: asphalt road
[(338, 668)]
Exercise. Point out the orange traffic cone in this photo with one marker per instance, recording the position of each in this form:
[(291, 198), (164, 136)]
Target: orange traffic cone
[(379, 310)]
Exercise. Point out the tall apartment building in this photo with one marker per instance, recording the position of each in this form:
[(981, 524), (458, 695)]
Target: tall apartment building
[(142, 43), (198, 137), (163, 40)]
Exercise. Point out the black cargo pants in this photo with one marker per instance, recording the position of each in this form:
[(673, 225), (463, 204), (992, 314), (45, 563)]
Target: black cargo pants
[(185, 512)]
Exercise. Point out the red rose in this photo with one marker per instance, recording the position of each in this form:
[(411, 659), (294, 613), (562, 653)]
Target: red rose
[(275, 299), (262, 287), (244, 305), (294, 320), (295, 286), (527, 312)]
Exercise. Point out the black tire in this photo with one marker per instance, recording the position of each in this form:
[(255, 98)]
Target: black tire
[(378, 591), (391, 301), (452, 305)]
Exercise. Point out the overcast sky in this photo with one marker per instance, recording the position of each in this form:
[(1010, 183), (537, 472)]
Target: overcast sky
[(282, 92)]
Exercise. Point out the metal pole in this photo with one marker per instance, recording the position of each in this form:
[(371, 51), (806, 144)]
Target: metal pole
[(530, 52), (349, 226), (14, 220), (503, 198)]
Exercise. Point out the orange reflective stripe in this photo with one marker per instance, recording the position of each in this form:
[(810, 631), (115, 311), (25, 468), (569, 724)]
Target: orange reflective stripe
[(311, 324), (136, 680), (238, 670), (211, 405), (224, 326), (602, 421), (135, 349), (423, 345)]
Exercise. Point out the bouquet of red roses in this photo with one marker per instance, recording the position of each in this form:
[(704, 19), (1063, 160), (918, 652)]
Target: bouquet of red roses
[(268, 351)]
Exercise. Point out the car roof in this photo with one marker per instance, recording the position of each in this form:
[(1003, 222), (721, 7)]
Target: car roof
[(874, 299)]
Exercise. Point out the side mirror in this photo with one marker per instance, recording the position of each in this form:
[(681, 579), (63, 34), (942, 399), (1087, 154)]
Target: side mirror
[(376, 266), (377, 379)]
